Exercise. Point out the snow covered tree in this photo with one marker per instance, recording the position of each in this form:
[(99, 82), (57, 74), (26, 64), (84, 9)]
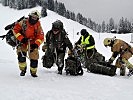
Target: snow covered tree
[(111, 24), (44, 11), (51, 5), (103, 26), (67, 15), (56, 6), (72, 16), (79, 18), (61, 10)]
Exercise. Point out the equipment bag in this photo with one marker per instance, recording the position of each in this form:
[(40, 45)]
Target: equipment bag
[(10, 38), (102, 68), (73, 66), (48, 59)]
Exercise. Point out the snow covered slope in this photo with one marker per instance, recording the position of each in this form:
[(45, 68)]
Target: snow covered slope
[(49, 85)]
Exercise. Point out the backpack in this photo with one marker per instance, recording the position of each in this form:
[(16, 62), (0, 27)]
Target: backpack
[(73, 66), (10, 38)]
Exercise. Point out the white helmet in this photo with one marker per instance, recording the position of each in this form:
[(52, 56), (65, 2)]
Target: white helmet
[(35, 13)]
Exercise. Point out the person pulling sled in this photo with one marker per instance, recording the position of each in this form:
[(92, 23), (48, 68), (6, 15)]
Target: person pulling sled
[(55, 46), (87, 50), (123, 51)]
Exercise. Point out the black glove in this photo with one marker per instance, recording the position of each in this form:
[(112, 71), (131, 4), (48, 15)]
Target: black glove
[(24, 40), (110, 61), (33, 46)]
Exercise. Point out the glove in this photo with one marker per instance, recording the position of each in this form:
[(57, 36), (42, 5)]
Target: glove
[(70, 52), (110, 61), (33, 46), (84, 46), (24, 40), (44, 47)]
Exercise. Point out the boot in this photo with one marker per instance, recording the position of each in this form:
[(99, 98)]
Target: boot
[(130, 73), (122, 71), (22, 73), (60, 72), (34, 75)]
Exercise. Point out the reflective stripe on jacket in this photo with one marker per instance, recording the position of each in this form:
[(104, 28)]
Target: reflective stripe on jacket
[(33, 32), (86, 41)]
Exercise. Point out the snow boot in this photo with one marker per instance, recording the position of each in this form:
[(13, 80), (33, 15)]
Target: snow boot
[(60, 72), (122, 71), (130, 72), (22, 73), (34, 75)]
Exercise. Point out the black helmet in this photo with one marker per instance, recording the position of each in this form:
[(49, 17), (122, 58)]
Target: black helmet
[(57, 25), (83, 32)]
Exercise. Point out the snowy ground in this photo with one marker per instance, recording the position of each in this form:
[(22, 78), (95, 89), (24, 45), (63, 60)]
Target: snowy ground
[(49, 85)]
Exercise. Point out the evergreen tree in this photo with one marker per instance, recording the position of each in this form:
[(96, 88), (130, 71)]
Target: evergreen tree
[(51, 5), (111, 24), (61, 9), (72, 16), (79, 18), (56, 6), (44, 11), (67, 15), (103, 27)]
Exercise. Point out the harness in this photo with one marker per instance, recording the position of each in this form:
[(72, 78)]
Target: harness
[(24, 27)]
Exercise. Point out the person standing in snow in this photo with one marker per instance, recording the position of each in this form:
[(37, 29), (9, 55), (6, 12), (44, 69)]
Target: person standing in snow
[(30, 34), (56, 42), (123, 50)]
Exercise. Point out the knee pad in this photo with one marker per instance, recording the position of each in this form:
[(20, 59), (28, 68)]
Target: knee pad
[(22, 56), (33, 63)]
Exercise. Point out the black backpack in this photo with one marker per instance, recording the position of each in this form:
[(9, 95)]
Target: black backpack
[(73, 66), (10, 38), (48, 59)]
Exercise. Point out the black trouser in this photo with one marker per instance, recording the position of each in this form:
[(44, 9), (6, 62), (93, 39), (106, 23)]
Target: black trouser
[(60, 61)]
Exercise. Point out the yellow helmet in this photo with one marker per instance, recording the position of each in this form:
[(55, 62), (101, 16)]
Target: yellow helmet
[(107, 41)]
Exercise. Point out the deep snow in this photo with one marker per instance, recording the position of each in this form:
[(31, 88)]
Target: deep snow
[(49, 85)]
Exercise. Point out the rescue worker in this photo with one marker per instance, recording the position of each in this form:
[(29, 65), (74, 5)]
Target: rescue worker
[(29, 32), (57, 41), (87, 42), (123, 51)]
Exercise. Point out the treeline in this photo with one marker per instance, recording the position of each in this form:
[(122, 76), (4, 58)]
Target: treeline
[(124, 25)]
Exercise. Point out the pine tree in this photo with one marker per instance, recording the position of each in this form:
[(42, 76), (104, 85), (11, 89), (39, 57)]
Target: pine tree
[(103, 27), (111, 24), (51, 5), (44, 11)]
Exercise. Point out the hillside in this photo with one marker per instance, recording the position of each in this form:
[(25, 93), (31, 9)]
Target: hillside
[(49, 85)]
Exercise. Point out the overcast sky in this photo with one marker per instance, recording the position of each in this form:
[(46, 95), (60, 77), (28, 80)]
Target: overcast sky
[(99, 10)]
